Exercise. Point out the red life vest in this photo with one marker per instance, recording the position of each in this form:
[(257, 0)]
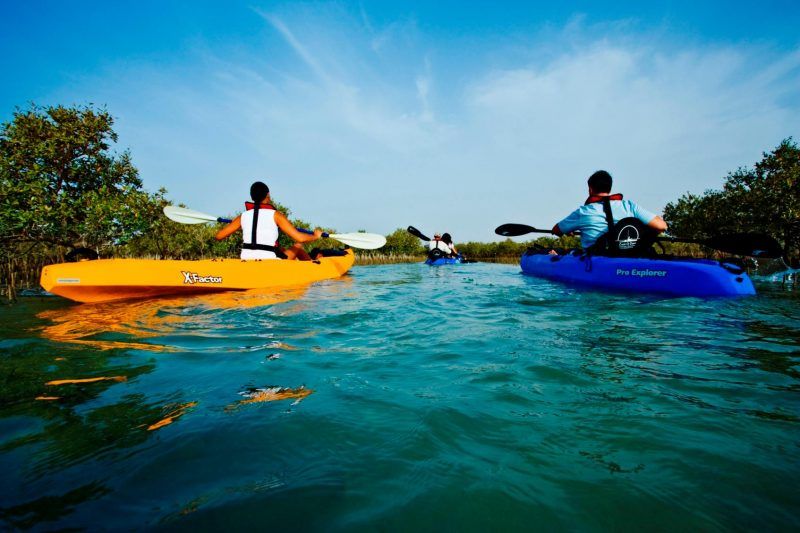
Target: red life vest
[(249, 206), (597, 199)]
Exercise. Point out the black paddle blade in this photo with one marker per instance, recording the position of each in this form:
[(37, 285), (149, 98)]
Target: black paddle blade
[(417, 233), (752, 244), (515, 230)]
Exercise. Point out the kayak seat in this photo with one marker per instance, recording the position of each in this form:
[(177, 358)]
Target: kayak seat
[(630, 237), (316, 253), (81, 254), (436, 253)]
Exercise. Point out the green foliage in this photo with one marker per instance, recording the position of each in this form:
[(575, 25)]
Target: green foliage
[(765, 198), (509, 248), (166, 239), (401, 242), (61, 184)]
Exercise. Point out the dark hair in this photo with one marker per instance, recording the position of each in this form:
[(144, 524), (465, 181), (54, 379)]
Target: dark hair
[(259, 191), (600, 181), (447, 238)]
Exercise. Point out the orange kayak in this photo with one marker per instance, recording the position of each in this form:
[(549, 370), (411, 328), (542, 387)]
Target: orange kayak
[(104, 280)]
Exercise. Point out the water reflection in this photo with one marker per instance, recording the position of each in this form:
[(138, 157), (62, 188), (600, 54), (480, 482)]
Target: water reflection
[(88, 403), (173, 412), (124, 325), (51, 508)]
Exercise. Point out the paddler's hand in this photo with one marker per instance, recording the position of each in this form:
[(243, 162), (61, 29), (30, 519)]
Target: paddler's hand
[(318, 234)]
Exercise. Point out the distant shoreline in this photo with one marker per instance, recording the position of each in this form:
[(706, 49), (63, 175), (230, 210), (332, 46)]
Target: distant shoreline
[(365, 260)]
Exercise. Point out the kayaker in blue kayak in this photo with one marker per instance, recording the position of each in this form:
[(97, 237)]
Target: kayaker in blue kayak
[(601, 211), (448, 240), (260, 224), (439, 243)]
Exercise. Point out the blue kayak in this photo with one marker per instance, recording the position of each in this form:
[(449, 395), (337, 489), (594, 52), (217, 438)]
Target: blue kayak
[(676, 277), (443, 261)]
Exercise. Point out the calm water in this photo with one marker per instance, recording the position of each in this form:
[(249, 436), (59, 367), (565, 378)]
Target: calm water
[(404, 397)]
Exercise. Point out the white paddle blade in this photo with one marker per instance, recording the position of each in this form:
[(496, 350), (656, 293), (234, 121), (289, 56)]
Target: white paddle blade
[(187, 216), (364, 241)]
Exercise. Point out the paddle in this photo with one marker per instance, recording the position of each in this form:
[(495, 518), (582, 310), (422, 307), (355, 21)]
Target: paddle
[(188, 216), (515, 230), (364, 241), (417, 233), (752, 244)]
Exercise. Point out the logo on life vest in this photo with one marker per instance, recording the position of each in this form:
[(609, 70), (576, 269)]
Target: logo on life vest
[(627, 237), (190, 278)]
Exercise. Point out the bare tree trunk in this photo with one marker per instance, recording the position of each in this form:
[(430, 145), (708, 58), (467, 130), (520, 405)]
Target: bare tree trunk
[(11, 291)]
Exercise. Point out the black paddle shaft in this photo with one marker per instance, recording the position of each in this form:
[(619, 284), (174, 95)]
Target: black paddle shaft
[(417, 233), (515, 230), (750, 244)]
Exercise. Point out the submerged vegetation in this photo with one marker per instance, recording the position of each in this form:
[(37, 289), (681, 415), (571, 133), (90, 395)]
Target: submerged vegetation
[(65, 193)]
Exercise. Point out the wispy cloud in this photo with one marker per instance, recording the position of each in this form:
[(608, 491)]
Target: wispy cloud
[(297, 46), (411, 131)]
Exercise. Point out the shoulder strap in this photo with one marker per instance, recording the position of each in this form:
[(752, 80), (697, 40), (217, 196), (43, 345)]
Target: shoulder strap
[(610, 221), (254, 229)]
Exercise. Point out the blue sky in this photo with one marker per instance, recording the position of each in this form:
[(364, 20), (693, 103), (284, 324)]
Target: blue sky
[(450, 116)]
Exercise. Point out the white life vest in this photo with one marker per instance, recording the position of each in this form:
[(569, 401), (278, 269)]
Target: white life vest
[(441, 245), (266, 233)]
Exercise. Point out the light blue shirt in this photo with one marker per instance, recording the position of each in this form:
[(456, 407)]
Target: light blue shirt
[(591, 221)]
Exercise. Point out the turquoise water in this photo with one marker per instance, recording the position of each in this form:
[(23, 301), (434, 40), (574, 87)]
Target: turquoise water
[(404, 397)]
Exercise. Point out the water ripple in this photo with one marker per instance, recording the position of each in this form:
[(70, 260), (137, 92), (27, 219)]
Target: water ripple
[(402, 396)]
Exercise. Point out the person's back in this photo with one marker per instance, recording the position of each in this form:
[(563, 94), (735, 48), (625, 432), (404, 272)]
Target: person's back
[(438, 244), (591, 220), (260, 225), (448, 240), (266, 231)]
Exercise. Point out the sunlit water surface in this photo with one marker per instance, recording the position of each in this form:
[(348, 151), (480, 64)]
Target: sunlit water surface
[(403, 397)]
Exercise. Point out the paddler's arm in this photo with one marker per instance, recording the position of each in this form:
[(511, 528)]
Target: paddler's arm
[(289, 229), (231, 228), (558, 233), (658, 224)]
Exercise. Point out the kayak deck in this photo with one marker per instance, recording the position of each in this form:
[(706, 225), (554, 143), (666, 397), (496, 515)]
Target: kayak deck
[(105, 280), (676, 277)]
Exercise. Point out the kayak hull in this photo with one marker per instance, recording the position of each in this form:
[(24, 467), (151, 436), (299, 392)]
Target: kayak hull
[(684, 277), (443, 261), (106, 280)]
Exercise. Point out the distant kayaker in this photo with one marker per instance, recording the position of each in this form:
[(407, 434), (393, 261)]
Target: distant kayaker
[(448, 240), (260, 224), (591, 218), (438, 243)]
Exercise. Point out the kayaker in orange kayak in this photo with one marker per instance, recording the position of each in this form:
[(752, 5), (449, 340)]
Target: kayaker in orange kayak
[(260, 225)]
